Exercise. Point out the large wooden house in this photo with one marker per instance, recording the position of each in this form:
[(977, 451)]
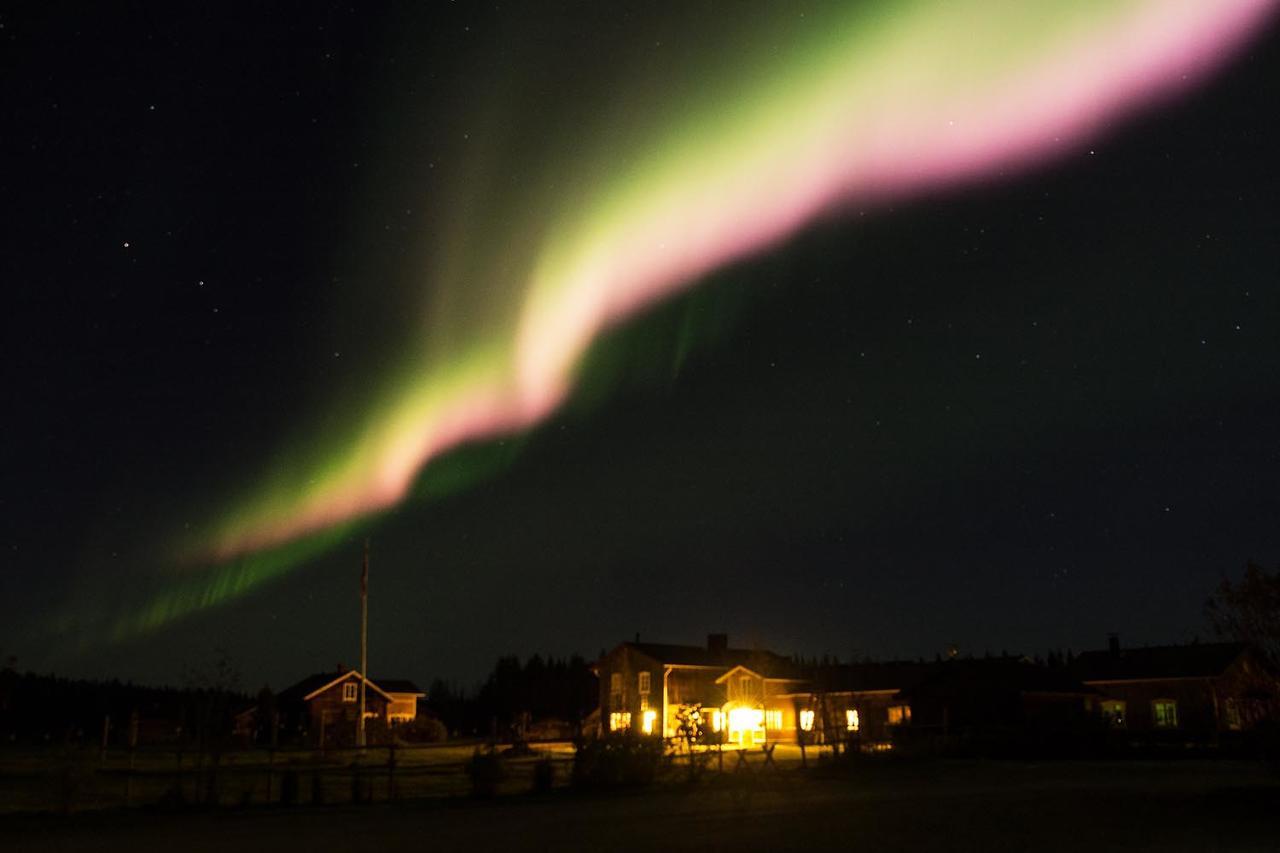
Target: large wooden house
[(742, 694)]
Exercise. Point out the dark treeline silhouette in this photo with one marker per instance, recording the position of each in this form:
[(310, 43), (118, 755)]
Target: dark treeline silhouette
[(46, 709), (540, 691)]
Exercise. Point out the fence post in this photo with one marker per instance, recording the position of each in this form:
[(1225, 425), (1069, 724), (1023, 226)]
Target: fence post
[(128, 780), (391, 771), (271, 759)]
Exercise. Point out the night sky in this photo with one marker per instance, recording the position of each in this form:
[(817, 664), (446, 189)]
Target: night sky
[(1011, 414)]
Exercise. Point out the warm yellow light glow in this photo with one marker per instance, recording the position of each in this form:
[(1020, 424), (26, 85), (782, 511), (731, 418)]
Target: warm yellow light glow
[(745, 719), (773, 719), (717, 720), (806, 720), (746, 724), (619, 721), (851, 719), (649, 718), (899, 715)]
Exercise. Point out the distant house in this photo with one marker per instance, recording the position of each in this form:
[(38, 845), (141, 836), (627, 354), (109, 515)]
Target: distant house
[(324, 707), (1191, 692), (743, 693)]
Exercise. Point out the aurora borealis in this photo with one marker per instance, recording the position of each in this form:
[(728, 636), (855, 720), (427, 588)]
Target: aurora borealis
[(460, 215), (884, 102)]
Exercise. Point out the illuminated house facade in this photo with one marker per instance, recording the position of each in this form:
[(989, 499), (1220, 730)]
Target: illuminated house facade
[(745, 695)]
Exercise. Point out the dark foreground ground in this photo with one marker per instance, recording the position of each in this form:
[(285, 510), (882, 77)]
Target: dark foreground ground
[(1188, 805)]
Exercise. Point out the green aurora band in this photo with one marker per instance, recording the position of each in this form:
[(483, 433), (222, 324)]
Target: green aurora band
[(874, 101)]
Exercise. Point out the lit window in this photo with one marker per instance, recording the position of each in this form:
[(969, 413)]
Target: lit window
[(1165, 713), (717, 720), (744, 686), (1113, 711), (773, 719), (899, 715), (649, 718), (644, 682), (350, 691), (806, 720), (619, 721), (615, 683), (851, 719)]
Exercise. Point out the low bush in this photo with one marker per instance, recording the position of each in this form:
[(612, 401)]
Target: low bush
[(617, 761)]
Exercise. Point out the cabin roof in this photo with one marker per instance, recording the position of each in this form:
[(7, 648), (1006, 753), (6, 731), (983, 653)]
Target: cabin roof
[(766, 663), (322, 681)]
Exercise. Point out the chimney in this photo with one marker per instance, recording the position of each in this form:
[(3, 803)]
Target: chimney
[(718, 643), (1113, 644)]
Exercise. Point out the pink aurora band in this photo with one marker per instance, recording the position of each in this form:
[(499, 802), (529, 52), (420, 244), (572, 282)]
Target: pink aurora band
[(828, 151)]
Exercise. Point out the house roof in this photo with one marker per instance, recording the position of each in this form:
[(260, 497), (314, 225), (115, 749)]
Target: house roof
[(870, 676), (1197, 660), (320, 681), (766, 663), (990, 675)]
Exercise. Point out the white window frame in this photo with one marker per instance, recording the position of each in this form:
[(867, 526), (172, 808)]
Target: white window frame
[(350, 691), (645, 681)]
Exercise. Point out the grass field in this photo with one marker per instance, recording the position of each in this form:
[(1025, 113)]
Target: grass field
[(74, 780), (885, 806)]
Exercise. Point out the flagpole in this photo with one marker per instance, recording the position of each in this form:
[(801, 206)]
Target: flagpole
[(364, 640)]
